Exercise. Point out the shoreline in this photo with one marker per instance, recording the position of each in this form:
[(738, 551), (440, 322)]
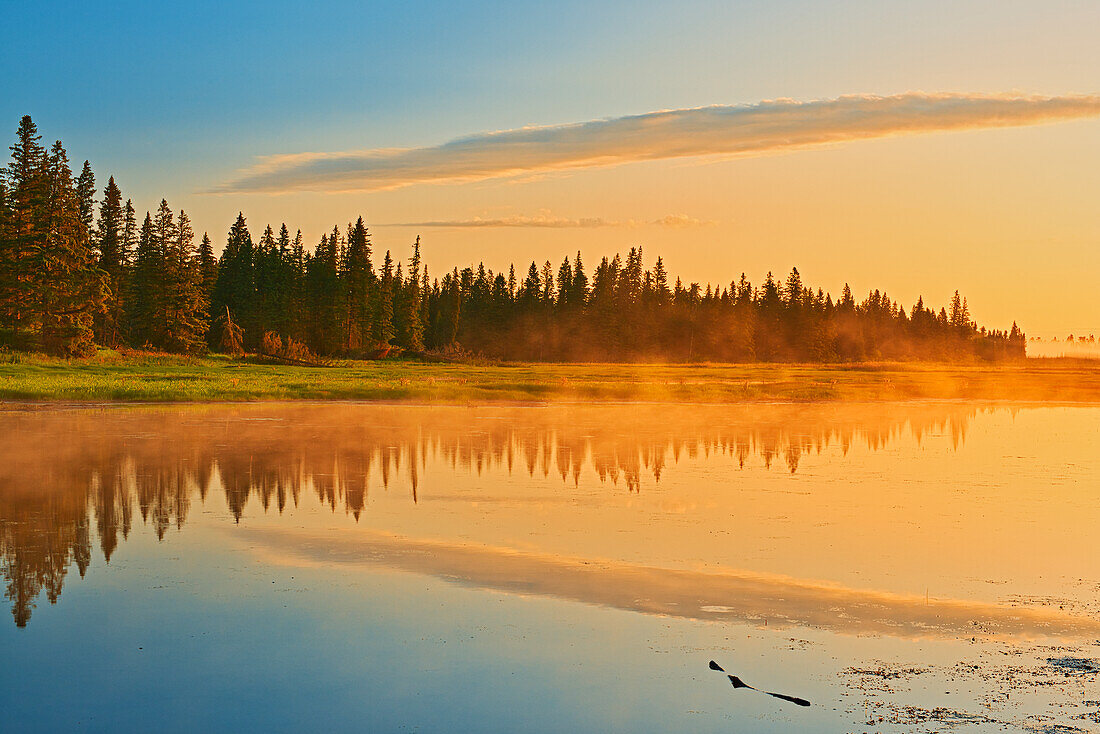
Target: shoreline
[(59, 404), (150, 378)]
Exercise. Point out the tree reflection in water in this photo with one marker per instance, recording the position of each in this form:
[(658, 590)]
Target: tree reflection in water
[(64, 469)]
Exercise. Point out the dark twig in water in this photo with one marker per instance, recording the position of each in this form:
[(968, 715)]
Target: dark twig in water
[(738, 683)]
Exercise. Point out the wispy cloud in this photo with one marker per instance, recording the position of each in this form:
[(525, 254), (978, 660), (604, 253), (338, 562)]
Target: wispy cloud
[(680, 221), (730, 130), (550, 221)]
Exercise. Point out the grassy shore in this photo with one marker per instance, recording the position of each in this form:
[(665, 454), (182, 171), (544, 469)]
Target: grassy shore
[(157, 378)]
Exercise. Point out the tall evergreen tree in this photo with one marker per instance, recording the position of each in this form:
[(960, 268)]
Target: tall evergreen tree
[(323, 289), (383, 323), (565, 283), (85, 195), (113, 260), (661, 293), (235, 286), (184, 298), (359, 287), (208, 267), (408, 325), (297, 297), (28, 187), (70, 287), (146, 289)]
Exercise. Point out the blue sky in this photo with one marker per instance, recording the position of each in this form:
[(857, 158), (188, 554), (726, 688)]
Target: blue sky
[(217, 83)]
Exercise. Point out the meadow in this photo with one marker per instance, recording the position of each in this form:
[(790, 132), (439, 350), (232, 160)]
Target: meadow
[(147, 377)]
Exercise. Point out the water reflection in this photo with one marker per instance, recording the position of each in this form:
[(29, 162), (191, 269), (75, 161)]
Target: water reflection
[(728, 596), (63, 470)]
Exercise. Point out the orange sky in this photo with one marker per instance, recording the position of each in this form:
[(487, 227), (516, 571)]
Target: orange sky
[(1008, 216)]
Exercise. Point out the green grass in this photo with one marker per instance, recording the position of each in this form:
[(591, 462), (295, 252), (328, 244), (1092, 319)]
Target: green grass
[(111, 376)]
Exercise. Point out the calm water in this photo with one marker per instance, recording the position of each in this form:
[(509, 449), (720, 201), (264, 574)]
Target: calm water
[(342, 567)]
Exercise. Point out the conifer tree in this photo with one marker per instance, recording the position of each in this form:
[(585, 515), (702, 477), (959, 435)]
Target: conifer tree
[(322, 287), (235, 286), (146, 288), (5, 231), (578, 292), (208, 267), (792, 290), (85, 195), (450, 310), (272, 279), (129, 247), (297, 300), (184, 298), (27, 184), (70, 288), (565, 283), (408, 325), (425, 305), (359, 285), (165, 232), (283, 283), (383, 325), (113, 260), (956, 315), (661, 292)]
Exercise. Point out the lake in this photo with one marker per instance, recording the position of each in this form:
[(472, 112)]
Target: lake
[(357, 567)]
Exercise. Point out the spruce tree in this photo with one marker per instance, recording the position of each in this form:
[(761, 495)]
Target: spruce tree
[(297, 260), (383, 325), (425, 306), (271, 286), (208, 266), (408, 325), (283, 283), (146, 288), (235, 286), (358, 279), (165, 232), (322, 289), (113, 260), (578, 292), (85, 194), (69, 286), (661, 293), (5, 232), (184, 299), (565, 283), (450, 310), (531, 291), (27, 188)]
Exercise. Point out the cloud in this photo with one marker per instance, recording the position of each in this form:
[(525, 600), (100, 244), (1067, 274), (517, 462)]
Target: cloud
[(736, 596), (549, 221), (728, 130), (680, 221), (541, 220)]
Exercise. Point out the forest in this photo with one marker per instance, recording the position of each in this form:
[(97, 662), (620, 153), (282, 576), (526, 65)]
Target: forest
[(78, 272)]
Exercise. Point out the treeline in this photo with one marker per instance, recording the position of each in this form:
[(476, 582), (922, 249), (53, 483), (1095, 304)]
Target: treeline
[(75, 272)]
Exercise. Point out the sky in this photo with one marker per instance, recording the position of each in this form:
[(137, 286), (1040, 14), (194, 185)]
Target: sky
[(917, 148)]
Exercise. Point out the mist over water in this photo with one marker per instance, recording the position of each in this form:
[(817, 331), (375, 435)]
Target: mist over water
[(837, 542)]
